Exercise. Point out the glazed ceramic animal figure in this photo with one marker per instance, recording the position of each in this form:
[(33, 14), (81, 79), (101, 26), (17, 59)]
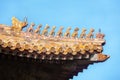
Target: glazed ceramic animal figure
[(59, 33), (67, 33), (75, 33), (38, 29), (30, 29), (45, 31), (52, 32), (83, 33), (90, 34), (14, 23), (18, 25)]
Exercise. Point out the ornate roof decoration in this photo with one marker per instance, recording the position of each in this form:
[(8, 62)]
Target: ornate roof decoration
[(57, 45), (45, 45)]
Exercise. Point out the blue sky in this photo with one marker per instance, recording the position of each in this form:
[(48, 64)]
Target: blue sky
[(104, 14)]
